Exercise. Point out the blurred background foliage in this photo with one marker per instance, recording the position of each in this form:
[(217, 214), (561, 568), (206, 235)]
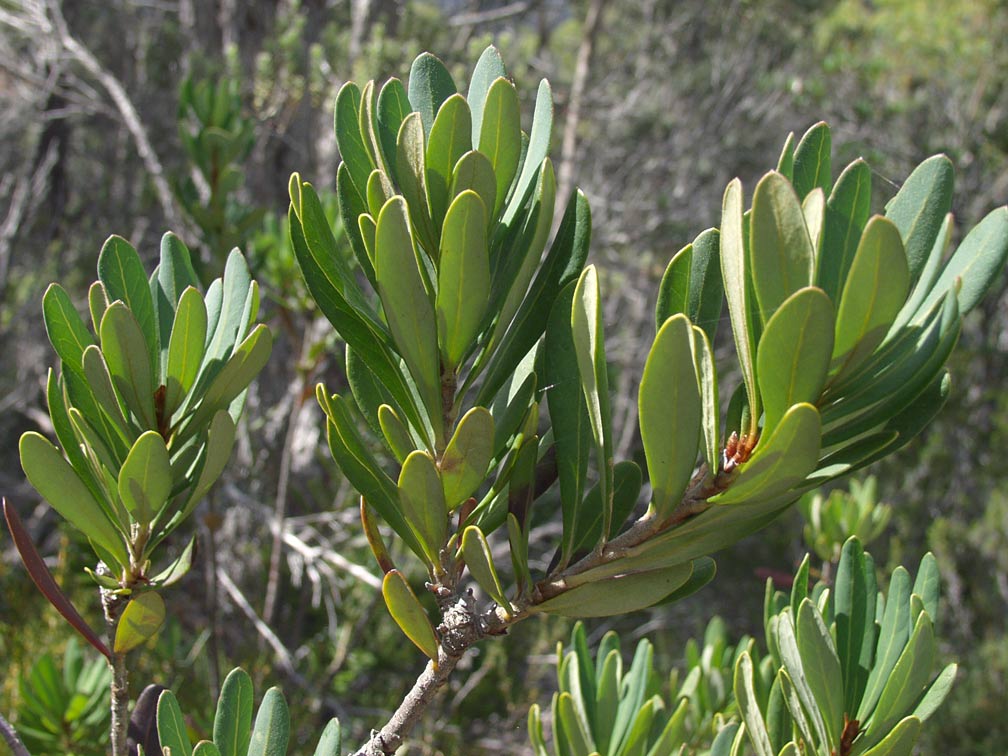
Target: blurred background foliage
[(659, 104)]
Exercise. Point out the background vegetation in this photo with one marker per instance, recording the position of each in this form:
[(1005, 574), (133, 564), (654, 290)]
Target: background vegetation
[(660, 103)]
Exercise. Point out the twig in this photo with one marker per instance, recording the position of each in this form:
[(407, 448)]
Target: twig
[(494, 14), (131, 119), (119, 687), (284, 657), (582, 67), (10, 736)]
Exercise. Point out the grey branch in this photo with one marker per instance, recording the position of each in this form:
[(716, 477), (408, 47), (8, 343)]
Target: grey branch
[(10, 736)]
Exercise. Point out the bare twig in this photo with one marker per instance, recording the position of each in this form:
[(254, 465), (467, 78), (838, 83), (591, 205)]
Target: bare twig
[(113, 605), (127, 111), (582, 67), (10, 737)]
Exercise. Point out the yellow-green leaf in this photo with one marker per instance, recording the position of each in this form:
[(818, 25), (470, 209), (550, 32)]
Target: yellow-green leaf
[(409, 614), (140, 621)]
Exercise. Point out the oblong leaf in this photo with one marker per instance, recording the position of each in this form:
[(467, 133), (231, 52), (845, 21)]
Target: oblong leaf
[(408, 310), (919, 208), (139, 622), (145, 478), (779, 245), (421, 497), (232, 726), (617, 595), (409, 614), (171, 726), (467, 457), (58, 483), (463, 277), (479, 560), (669, 413), (794, 353), (271, 730), (500, 136)]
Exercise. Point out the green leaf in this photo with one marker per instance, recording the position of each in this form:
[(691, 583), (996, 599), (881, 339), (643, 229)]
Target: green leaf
[(430, 85), (353, 151), (99, 379), (206, 748), (791, 658), (54, 478), (450, 139), (562, 265), (239, 371), (219, 444), (919, 208), (479, 560), (745, 694), (780, 462), (145, 478), (569, 416), (847, 211), (124, 278), (785, 163), (893, 634), (271, 730), (409, 615), (421, 498), (899, 741), (366, 122), (370, 339), (793, 355), (396, 435), (873, 294), (734, 271), (627, 481), (139, 622), (589, 346), (488, 69), (854, 598), (463, 277), (927, 584), (669, 413), (500, 137), (171, 728), (393, 107), (368, 391), (467, 457), (474, 172), (710, 419), (621, 594), (780, 250), (537, 150), (351, 206), (936, 693), (173, 275), (331, 742), (410, 151), (569, 722), (185, 349), (409, 312), (814, 211), (123, 346), (925, 284), (673, 291), (177, 569), (65, 328), (907, 681), (812, 161), (232, 727), (822, 667), (975, 264)]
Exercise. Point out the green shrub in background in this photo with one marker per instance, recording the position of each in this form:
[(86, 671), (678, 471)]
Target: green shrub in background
[(831, 519), (64, 709), (855, 670), (602, 708)]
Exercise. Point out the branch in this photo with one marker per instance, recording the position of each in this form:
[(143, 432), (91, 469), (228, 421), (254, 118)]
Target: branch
[(462, 627), (10, 736), (131, 119)]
